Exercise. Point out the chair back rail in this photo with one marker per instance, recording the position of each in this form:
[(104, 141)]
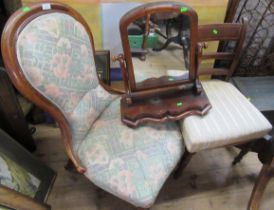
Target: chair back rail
[(220, 32)]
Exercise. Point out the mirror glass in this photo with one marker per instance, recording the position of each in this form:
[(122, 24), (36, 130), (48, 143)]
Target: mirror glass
[(160, 48)]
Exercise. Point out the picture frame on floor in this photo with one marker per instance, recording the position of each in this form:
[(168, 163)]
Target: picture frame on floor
[(22, 172), (5, 208)]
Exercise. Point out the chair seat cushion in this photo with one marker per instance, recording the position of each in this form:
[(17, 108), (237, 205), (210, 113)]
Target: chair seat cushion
[(232, 119), (132, 164)]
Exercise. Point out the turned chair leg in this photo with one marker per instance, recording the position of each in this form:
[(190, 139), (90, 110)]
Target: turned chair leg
[(266, 173), (182, 164)]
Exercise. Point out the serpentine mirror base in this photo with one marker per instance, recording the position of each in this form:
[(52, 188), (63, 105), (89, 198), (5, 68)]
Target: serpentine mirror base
[(172, 107)]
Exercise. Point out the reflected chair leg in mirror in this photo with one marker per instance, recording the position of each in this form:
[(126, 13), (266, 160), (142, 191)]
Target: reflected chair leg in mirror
[(266, 173)]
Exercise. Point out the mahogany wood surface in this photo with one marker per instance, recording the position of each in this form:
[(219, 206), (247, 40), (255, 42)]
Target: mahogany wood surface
[(12, 118), (266, 173), (221, 32), (225, 31), (136, 104), (231, 10), (173, 107), (219, 55), (147, 10), (13, 27)]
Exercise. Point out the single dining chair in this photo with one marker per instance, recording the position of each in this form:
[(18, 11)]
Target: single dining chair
[(233, 119), (48, 51)]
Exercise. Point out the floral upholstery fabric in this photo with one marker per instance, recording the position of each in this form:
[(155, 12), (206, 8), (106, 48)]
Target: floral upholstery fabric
[(55, 54), (132, 164)]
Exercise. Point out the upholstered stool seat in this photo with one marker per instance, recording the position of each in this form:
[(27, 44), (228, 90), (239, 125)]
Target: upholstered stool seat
[(232, 119), (132, 164)]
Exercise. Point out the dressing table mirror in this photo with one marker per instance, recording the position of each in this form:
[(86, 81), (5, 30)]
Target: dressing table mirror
[(159, 65)]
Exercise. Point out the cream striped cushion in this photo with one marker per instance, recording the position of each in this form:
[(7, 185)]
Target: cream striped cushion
[(231, 120)]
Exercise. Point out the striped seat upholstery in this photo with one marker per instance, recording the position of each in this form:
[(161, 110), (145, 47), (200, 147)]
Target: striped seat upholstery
[(232, 119)]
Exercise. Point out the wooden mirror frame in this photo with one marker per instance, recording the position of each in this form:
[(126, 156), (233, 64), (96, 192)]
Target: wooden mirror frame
[(145, 11), (168, 101)]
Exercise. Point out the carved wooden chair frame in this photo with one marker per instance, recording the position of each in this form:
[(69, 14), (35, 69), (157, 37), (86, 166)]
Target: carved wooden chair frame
[(10, 34)]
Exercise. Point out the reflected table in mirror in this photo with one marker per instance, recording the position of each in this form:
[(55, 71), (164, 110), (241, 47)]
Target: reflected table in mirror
[(167, 64)]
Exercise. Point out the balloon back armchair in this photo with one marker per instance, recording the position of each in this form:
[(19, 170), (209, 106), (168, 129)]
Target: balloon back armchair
[(48, 51)]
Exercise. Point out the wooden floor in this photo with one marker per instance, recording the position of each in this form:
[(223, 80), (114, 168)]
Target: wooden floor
[(208, 183)]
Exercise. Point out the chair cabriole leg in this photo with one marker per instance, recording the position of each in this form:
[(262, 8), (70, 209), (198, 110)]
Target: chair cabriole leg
[(266, 173)]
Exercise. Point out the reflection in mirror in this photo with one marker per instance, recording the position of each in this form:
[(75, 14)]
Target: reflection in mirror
[(160, 47)]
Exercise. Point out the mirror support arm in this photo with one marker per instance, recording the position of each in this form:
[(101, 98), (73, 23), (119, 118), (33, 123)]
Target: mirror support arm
[(200, 47), (121, 59)]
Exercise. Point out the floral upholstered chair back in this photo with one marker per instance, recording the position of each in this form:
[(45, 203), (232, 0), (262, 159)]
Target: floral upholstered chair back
[(56, 56)]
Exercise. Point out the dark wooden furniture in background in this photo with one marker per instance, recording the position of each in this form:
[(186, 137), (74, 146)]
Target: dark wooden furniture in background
[(164, 98), (102, 62), (231, 10), (258, 52), (12, 118)]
